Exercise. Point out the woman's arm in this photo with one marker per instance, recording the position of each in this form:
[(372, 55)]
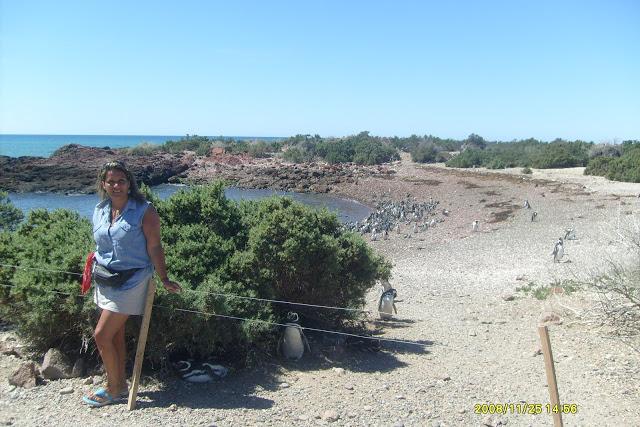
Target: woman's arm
[(151, 230)]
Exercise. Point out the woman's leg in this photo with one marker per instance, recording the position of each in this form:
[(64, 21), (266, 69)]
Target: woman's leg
[(121, 349), (110, 325)]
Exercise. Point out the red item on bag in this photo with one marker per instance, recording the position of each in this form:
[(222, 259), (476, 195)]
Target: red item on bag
[(86, 274)]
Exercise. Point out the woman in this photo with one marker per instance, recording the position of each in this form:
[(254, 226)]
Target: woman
[(126, 228)]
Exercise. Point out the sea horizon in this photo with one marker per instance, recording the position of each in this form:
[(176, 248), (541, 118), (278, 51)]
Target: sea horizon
[(43, 145)]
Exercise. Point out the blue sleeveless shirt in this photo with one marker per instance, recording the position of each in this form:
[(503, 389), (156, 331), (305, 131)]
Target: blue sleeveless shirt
[(122, 245)]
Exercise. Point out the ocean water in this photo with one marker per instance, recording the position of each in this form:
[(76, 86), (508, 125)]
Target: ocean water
[(346, 210), (14, 145)]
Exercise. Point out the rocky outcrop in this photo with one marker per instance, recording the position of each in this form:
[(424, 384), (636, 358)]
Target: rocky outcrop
[(274, 174), (74, 168)]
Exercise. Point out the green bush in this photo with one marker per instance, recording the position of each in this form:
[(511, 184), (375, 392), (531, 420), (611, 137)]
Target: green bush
[(424, 153), (10, 216), (526, 170), (45, 305), (143, 149), (624, 168), (274, 249)]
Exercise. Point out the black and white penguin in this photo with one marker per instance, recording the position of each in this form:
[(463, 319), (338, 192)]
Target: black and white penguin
[(475, 225), (527, 205), (558, 250), (534, 215), (386, 304), (293, 341)]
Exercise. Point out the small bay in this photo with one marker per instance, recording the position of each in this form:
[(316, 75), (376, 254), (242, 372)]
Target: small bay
[(346, 210)]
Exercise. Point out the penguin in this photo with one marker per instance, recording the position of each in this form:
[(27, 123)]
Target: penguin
[(415, 227), (527, 205), (386, 304), (193, 372), (475, 225), (398, 228), (374, 235), (293, 341), (570, 234), (558, 250), (385, 235), (533, 216)]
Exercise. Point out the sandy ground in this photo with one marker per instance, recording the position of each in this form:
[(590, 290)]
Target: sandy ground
[(458, 299)]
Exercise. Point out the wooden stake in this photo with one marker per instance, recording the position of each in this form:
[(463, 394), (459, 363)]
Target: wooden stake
[(142, 342), (551, 375)]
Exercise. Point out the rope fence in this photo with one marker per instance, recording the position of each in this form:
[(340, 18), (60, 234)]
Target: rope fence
[(397, 341)]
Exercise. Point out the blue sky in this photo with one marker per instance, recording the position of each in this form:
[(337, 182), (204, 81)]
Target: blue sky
[(501, 69)]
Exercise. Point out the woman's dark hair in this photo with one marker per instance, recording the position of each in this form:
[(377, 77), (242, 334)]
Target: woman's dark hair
[(134, 191)]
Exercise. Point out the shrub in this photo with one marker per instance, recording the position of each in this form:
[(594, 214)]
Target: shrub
[(605, 150), (526, 170), (623, 168), (10, 216), (274, 248), (424, 153), (143, 149), (45, 305)]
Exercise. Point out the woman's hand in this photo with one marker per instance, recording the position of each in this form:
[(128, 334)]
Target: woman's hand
[(171, 286)]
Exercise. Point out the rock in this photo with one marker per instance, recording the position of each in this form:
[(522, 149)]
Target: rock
[(330, 416), (445, 377), (488, 421), (56, 365), (284, 385), (338, 371), (25, 376), (303, 417), (349, 387), (472, 333), (88, 381), (508, 297), (400, 397), (550, 318), (173, 407), (66, 390), (78, 368)]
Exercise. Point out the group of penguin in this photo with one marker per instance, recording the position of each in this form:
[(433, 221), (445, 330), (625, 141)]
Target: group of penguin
[(558, 248), (293, 342)]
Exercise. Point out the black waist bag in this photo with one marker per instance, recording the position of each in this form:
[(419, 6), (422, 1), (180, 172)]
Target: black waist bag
[(105, 277)]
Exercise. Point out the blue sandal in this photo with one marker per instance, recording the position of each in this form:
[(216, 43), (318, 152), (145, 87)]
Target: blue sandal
[(103, 398)]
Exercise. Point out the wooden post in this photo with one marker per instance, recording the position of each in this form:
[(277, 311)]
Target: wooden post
[(142, 342), (551, 375)]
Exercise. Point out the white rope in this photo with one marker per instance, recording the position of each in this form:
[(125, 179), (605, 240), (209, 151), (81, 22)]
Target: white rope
[(301, 327), (245, 319), (223, 294)]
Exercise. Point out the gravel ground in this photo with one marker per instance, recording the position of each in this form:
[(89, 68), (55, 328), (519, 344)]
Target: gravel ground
[(459, 299)]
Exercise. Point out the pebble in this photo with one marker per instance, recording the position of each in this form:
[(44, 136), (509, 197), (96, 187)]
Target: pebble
[(330, 416), (88, 381), (66, 390), (472, 333), (338, 371), (400, 397), (173, 407), (303, 417), (284, 385), (349, 387)]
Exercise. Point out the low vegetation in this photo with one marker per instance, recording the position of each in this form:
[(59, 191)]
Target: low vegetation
[(271, 249)]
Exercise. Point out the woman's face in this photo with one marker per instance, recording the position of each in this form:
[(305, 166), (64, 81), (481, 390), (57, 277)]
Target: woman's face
[(116, 185)]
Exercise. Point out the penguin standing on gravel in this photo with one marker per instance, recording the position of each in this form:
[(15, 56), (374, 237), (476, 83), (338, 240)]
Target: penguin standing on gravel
[(527, 205), (293, 342), (534, 215), (558, 250), (386, 304), (475, 225)]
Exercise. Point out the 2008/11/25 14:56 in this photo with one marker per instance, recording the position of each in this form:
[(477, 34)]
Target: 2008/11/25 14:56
[(524, 408)]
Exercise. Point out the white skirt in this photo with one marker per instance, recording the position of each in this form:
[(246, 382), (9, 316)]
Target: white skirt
[(130, 301)]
